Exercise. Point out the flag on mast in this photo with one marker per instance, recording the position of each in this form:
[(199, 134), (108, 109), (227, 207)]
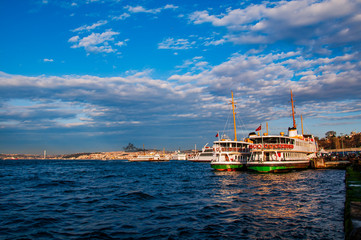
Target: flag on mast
[(217, 134), (259, 128)]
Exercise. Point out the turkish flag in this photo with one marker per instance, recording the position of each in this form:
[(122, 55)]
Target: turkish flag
[(217, 135), (259, 128)]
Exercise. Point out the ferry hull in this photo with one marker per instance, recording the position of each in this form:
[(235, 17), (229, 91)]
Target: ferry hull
[(228, 166), (268, 167)]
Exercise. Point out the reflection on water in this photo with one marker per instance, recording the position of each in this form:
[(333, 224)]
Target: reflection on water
[(286, 202)]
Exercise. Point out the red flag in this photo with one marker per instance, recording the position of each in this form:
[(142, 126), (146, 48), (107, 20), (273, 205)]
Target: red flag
[(259, 128), (217, 135)]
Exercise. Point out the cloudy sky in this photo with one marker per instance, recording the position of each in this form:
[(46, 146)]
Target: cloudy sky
[(94, 75)]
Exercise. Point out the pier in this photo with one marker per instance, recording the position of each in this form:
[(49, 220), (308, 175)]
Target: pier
[(341, 150), (352, 221), (337, 159), (322, 163)]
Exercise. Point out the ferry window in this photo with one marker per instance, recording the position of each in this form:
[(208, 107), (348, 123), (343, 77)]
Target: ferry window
[(270, 140)]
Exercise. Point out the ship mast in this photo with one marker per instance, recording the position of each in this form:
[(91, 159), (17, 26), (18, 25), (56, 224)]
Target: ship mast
[(293, 111), (234, 119)]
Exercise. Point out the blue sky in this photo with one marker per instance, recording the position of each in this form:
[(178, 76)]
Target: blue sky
[(94, 75)]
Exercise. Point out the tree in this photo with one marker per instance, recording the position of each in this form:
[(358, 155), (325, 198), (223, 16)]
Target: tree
[(330, 134)]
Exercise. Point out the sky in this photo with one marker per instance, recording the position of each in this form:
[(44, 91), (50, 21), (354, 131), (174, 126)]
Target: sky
[(95, 75)]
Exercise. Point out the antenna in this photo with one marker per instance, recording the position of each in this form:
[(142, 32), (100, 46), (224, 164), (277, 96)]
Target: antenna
[(267, 127), (234, 120), (293, 111)]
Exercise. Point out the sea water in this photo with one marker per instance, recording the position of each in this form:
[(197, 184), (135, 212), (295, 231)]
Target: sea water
[(91, 199)]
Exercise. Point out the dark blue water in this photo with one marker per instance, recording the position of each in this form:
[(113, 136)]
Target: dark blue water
[(171, 200)]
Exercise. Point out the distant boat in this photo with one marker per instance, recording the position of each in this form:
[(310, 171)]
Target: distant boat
[(279, 153), (179, 156), (152, 157), (230, 154), (207, 155)]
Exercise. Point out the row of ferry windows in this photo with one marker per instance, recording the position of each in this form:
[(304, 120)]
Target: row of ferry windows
[(286, 156), (273, 140), (302, 144)]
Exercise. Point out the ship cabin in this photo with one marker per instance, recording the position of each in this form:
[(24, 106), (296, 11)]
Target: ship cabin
[(227, 145), (208, 151)]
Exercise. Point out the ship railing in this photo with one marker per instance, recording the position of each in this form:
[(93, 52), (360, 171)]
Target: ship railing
[(229, 149)]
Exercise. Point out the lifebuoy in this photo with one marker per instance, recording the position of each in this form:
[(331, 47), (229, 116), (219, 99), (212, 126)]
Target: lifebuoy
[(259, 146)]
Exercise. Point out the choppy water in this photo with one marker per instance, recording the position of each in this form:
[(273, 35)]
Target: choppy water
[(171, 200)]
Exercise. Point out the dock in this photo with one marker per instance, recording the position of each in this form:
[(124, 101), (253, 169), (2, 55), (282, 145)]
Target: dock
[(352, 220), (322, 163)]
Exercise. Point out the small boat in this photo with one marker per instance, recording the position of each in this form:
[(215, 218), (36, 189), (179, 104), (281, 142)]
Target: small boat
[(152, 157), (281, 153), (207, 155), (179, 156), (230, 155)]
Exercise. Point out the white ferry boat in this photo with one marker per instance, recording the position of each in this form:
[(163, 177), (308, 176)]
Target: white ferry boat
[(180, 156), (278, 153), (152, 157), (207, 155), (230, 154)]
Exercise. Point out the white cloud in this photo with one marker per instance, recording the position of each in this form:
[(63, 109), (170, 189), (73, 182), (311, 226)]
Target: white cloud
[(195, 64), (122, 43), (48, 60), (171, 43), (327, 21), (270, 77), (74, 39), (170, 6), (261, 85), (90, 27), (95, 42), (141, 9), (121, 17)]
